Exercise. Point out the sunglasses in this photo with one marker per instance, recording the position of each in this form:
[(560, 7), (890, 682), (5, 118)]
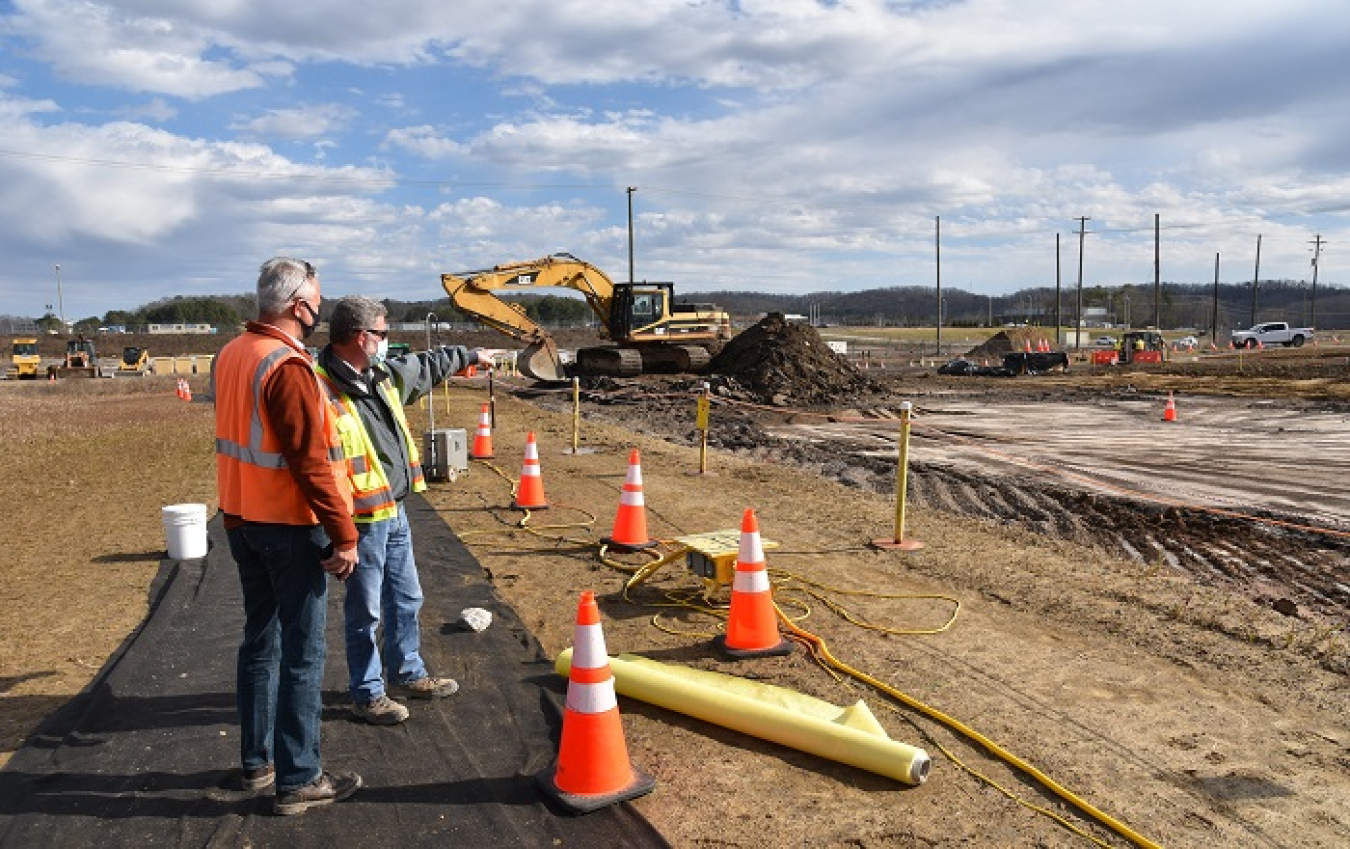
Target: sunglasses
[(379, 334)]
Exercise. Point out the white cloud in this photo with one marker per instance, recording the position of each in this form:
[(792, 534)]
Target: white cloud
[(817, 140), (424, 141), (302, 122), (97, 44), (155, 109)]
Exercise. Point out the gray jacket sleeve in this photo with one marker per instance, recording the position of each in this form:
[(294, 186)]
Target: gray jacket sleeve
[(415, 375)]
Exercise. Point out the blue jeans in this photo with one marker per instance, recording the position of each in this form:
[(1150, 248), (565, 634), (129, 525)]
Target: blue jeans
[(280, 668), (384, 586)]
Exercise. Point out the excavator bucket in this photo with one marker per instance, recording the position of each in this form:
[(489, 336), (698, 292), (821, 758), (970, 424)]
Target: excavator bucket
[(540, 360)]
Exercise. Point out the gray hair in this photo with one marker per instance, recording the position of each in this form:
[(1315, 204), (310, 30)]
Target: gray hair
[(353, 314), (282, 280)]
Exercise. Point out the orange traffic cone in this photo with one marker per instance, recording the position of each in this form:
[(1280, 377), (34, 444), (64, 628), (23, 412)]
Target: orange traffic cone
[(187, 390), (1028, 346), (752, 627), (592, 770), (630, 524), (1170, 411), (178, 388), (530, 492), (482, 438)]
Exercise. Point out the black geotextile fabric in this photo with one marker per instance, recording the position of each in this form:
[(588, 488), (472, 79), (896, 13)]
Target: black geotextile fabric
[(148, 755)]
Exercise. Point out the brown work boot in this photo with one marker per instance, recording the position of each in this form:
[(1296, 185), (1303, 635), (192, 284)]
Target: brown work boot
[(381, 710), (261, 778), (328, 788), (428, 687)]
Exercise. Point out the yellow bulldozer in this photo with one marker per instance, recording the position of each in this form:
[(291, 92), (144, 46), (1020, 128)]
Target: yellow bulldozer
[(25, 360)]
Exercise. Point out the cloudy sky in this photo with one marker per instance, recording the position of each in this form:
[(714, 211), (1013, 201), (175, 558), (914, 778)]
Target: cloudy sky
[(162, 147)]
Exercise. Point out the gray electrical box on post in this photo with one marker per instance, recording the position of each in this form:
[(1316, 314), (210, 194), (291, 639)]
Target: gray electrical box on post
[(445, 454)]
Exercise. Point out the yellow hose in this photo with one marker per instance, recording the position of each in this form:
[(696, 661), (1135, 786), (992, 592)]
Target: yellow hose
[(818, 645)]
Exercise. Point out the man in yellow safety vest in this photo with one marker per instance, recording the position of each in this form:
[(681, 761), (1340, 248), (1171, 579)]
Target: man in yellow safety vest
[(384, 467)]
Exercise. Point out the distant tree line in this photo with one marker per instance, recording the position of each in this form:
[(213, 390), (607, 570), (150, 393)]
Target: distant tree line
[(1174, 305), (1171, 305)]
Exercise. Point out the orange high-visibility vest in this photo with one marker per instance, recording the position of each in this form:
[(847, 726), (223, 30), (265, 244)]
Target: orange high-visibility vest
[(252, 476)]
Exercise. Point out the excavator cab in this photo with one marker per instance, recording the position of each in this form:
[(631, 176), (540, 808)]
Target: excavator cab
[(636, 307)]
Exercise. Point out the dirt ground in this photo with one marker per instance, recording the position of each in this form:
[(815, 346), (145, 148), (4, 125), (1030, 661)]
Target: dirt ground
[(1151, 614)]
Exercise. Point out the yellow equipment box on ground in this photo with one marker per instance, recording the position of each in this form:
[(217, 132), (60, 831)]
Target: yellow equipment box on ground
[(712, 556)]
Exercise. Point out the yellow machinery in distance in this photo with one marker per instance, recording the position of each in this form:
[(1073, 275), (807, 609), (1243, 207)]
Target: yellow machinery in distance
[(135, 360), (25, 360), (80, 361), (649, 330)]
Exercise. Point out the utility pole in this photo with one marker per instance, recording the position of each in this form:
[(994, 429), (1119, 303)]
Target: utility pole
[(1059, 319), (1317, 243), (1256, 277), (1157, 274), (1078, 315), (60, 299), (937, 262), (631, 189), (1214, 317)]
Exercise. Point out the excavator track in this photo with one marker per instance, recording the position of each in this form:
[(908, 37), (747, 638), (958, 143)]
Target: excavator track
[(609, 362)]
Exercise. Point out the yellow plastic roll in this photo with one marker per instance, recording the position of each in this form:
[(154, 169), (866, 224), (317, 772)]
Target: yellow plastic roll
[(849, 735)]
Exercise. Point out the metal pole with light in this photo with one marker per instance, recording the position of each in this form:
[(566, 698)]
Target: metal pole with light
[(631, 189), (937, 265), (60, 299), (1317, 254), (1256, 278)]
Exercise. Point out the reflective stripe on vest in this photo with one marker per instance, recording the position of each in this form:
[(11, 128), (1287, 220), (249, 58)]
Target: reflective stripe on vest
[(372, 497), (252, 475)]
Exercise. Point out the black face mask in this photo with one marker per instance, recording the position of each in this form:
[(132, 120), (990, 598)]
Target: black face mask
[(307, 330)]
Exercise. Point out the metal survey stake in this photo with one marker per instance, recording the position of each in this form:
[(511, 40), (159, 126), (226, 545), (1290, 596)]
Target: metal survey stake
[(901, 486)]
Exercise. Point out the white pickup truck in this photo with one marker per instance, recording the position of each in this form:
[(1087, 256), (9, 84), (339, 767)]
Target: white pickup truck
[(1272, 333)]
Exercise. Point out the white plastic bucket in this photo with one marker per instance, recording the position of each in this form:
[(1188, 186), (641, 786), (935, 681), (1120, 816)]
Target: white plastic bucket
[(185, 528)]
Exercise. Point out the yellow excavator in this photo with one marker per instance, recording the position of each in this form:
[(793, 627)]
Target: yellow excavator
[(649, 330)]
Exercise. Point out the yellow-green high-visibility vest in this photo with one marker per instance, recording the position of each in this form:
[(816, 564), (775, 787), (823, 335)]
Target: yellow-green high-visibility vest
[(372, 499)]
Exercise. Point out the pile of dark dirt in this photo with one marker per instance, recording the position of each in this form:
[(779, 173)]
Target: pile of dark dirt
[(787, 363), (1007, 341)]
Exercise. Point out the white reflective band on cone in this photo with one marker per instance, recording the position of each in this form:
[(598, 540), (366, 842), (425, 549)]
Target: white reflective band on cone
[(751, 581), (589, 649), (752, 550), (632, 499), (591, 698)]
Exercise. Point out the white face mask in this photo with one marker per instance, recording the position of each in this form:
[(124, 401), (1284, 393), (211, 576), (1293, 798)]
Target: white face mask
[(381, 353)]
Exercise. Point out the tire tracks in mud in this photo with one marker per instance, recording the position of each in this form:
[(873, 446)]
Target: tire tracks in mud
[(1294, 571), (1286, 568)]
